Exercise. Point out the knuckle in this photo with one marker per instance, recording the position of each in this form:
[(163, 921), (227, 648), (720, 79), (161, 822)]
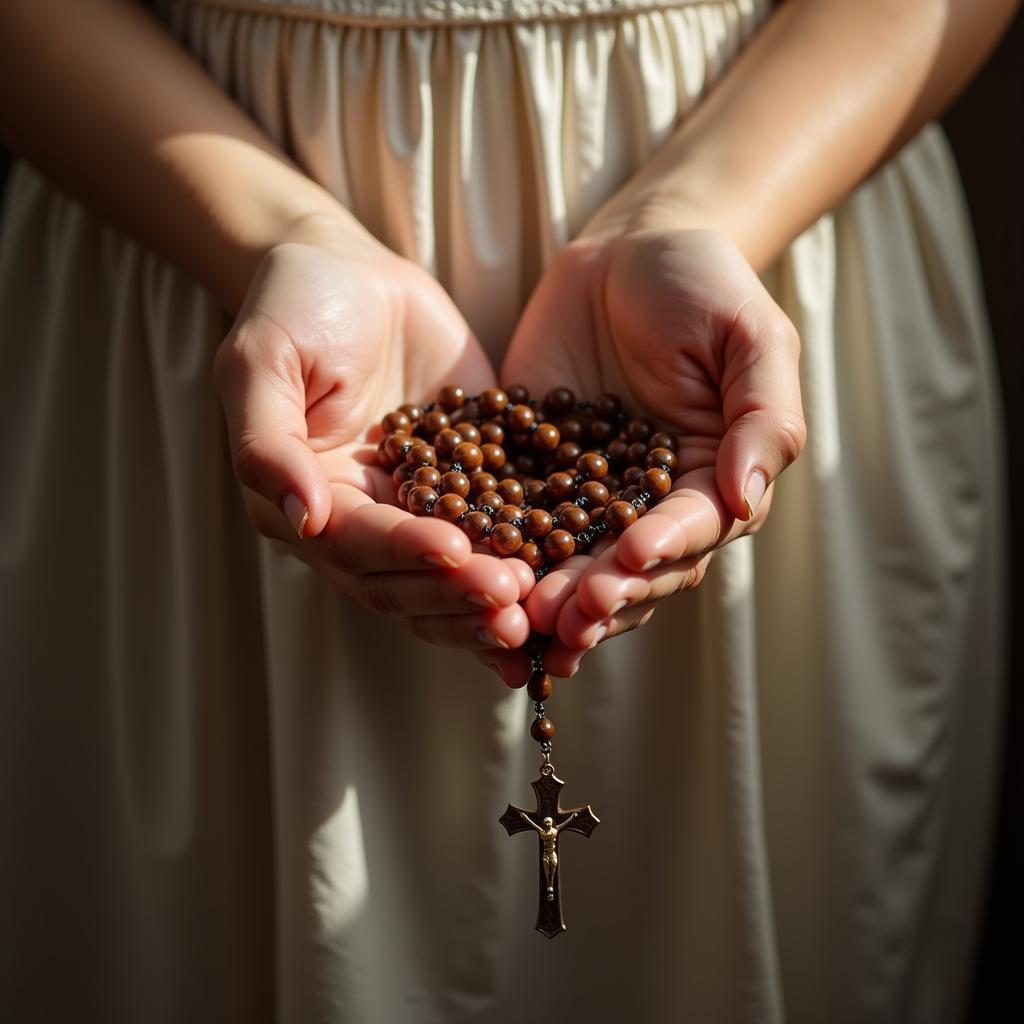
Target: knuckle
[(247, 460), (793, 437), (344, 552)]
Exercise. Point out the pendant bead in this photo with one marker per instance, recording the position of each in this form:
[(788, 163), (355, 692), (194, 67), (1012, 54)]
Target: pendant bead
[(539, 686), (542, 729)]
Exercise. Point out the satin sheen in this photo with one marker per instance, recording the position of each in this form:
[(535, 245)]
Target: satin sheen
[(230, 794)]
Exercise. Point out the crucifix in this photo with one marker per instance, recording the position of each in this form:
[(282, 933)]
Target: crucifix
[(549, 820)]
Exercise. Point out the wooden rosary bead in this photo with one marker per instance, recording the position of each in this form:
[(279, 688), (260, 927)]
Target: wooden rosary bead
[(527, 466), (426, 476), (663, 439), (597, 515), (573, 519), (492, 433), (592, 466), (468, 456), (420, 500), (539, 686), (613, 483), (506, 539), (537, 523), (421, 455), (567, 454), (492, 402), (517, 394), (446, 441), (403, 492), (572, 429), (636, 453), (451, 397), (561, 486), (455, 483), (508, 514), (532, 555), (559, 401), (396, 446), (480, 482), (600, 432), (435, 421), (469, 432), (595, 493), (617, 450), (468, 413), (559, 545), (520, 418), (632, 476), (401, 473), (657, 482), (506, 472), (396, 423), (639, 430), (546, 438), (414, 412), (493, 456), (492, 499), (542, 729), (511, 491), (536, 492), (619, 515), (632, 494), (662, 458), (450, 507), (476, 525), (607, 406)]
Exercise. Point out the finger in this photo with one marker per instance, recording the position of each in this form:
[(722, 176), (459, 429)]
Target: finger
[(562, 659), (548, 596), (512, 667), (523, 574), (499, 630), (259, 377), (764, 419)]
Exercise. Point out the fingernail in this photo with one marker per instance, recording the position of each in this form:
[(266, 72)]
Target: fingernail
[(296, 511), (757, 484), (441, 561), (493, 666), (652, 564), (481, 600), (575, 666), (599, 634), (485, 636), (617, 608)]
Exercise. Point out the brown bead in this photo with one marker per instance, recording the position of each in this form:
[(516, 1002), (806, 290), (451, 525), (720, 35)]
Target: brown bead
[(561, 486), (542, 729), (468, 414), (567, 454), (403, 493), (632, 494), (506, 539), (492, 499), (421, 455), (636, 454), (532, 555), (607, 406), (480, 482), (663, 439), (402, 473), (546, 438), (572, 428), (435, 421), (559, 401), (511, 491), (617, 450), (396, 445), (469, 432), (639, 430), (559, 545), (663, 458), (595, 493), (520, 418), (506, 472), (450, 507), (451, 397), (427, 476), (396, 423), (493, 401), (492, 433), (592, 466), (421, 500), (527, 466), (517, 394), (574, 519), (633, 476), (618, 515), (539, 686), (494, 457), (536, 492), (476, 525), (613, 483), (537, 523), (446, 442), (597, 515), (600, 432), (508, 514), (455, 483), (414, 412), (468, 456), (657, 482)]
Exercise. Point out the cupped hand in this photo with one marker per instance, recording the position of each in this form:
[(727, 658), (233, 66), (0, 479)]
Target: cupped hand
[(679, 325), (335, 332)]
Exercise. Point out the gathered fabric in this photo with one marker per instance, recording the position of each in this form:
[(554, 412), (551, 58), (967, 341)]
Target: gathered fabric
[(236, 795)]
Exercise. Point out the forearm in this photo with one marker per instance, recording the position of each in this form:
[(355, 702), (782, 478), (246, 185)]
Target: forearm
[(114, 112), (826, 91)]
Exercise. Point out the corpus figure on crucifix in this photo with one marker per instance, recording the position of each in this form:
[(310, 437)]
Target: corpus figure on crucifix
[(548, 832)]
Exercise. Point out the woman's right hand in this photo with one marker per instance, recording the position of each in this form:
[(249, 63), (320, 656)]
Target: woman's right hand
[(335, 332)]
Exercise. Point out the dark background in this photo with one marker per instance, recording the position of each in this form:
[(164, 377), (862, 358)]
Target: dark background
[(986, 128)]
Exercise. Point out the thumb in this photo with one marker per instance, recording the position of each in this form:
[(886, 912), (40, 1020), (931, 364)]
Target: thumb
[(259, 377), (764, 418)]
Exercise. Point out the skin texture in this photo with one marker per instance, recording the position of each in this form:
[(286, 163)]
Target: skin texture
[(824, 92)]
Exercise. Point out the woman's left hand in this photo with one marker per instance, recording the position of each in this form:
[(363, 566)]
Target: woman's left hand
[(679, 325)]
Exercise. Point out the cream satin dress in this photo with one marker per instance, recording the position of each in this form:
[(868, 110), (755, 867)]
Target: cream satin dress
[(230, 795)]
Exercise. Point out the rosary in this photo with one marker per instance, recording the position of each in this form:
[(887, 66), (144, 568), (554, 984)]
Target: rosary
[(540, 481)]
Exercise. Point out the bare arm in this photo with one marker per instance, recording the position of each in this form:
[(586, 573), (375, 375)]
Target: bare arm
[(117, 114), (825, 92)]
